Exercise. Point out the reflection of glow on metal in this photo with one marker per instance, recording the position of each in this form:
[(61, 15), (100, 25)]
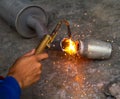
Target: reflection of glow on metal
[(69, 46)]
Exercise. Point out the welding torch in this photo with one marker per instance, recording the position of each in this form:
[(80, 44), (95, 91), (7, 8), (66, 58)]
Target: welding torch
[(49, 38)]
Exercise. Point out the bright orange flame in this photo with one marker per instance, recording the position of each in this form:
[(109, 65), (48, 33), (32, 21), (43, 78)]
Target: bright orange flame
[(69, 46)]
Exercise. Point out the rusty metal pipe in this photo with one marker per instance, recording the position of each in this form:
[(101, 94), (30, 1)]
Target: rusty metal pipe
[(17, 13)]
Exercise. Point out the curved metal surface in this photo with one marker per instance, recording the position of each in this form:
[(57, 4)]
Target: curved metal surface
[(16, 13), (95, 49)]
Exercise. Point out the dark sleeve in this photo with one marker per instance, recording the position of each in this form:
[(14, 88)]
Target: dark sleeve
[(9, 88)]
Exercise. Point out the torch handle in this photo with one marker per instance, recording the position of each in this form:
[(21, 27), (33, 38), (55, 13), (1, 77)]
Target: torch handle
[(43, 44)]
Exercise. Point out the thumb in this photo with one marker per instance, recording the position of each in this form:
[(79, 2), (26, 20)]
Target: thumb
[(41, 56), (30, 53)]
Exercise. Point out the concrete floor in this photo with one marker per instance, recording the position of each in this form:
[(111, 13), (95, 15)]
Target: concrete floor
[(66, 77)]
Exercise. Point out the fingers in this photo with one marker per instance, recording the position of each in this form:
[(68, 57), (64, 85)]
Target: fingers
[(38, 56), (36, 79), (32, 52), (41, 56)]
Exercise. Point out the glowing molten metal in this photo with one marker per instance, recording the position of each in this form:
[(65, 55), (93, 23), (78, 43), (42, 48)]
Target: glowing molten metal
[(69, 46)]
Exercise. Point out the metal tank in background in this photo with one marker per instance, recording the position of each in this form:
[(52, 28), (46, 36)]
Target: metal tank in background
[(28, 19)]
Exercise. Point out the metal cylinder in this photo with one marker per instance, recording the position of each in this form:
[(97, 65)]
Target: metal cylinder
[(95, 49), (17, 12)]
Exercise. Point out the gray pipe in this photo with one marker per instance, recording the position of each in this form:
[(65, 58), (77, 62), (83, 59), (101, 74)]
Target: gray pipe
[(25, 17)]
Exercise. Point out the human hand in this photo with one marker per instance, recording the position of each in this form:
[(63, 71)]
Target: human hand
[(27, 69)]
